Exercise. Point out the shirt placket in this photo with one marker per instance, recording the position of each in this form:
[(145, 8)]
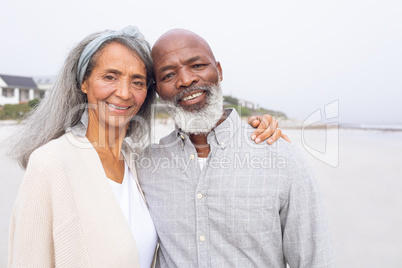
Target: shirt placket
[(199, 195), (202, 218)]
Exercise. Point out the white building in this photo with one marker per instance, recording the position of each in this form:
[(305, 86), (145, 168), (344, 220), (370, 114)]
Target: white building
[(44, 82), (18, 89), (249, 104)]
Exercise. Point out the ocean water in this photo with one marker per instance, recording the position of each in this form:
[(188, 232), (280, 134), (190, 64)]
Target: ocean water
[(391, 127)]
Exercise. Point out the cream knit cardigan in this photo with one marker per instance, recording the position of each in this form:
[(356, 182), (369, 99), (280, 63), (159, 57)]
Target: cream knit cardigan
[(66, 214)]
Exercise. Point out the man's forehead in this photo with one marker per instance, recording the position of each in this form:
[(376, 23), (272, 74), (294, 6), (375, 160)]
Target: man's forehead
[(180, 43), (183, 55)]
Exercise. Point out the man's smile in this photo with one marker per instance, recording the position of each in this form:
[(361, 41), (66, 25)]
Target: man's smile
[(192, 97)]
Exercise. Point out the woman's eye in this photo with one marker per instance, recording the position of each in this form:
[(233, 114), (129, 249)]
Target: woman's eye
[(109, 77), (138, 83)]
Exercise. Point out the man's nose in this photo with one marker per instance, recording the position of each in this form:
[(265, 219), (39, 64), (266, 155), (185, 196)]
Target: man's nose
[(185, 79)]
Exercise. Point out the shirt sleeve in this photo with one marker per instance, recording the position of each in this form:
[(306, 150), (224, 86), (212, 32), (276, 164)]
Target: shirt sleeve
[(31, 226), (306, 238)]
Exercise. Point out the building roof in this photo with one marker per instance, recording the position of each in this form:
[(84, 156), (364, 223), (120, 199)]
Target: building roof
[(18, 81), (44, 79)]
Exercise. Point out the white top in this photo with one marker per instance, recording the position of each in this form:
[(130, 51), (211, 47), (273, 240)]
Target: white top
[(137, 215), (202, 161)]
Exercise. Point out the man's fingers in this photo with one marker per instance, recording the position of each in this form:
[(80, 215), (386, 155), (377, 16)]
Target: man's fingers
[(265, 122), (277, 134), (268, 132), (286, 138), (254, 121)]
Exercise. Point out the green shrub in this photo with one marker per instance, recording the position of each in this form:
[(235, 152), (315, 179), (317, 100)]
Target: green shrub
[(14, 111), (231, 100), (33, 103), (242, 111), (2, 114)]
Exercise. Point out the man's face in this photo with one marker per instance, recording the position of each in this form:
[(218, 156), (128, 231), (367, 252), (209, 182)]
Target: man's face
[(185, 70), (187, 80)]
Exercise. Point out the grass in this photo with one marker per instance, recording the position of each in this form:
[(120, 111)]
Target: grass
[(17, 111)]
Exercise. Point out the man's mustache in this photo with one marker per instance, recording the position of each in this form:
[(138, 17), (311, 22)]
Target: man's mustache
[(190, 89)]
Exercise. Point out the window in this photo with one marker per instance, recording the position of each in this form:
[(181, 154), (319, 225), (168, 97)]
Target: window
[(8, 92)]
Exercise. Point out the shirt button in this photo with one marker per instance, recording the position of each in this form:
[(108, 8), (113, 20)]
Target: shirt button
[(192, 157), (222, 143), (202, 238), (199, 196)]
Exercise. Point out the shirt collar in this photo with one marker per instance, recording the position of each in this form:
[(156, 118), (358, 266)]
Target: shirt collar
[(80, 129), (221, 134)]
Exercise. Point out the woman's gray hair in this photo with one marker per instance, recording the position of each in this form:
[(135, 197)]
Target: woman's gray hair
[(65, 103)]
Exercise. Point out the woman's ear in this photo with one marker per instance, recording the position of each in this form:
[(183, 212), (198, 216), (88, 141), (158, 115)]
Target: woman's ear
[(84, 87)]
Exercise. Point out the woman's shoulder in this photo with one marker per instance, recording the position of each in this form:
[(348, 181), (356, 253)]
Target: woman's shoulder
[(47, 154), (64, 148), (50, 147), (45, 167), (67, 142), (66, 155)]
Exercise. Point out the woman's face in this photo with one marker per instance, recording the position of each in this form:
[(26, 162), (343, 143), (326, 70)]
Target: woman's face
[(117, 86)]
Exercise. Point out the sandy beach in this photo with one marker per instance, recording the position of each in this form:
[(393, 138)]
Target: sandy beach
[(362, 193)]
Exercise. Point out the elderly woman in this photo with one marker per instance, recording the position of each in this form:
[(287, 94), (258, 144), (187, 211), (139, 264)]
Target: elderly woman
[(80, 204)]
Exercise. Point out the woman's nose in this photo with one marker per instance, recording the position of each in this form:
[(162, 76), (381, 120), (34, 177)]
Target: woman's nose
[(123, 90)]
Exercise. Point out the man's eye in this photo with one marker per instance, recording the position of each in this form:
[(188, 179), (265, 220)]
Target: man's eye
[(196, 66), (169, 75)]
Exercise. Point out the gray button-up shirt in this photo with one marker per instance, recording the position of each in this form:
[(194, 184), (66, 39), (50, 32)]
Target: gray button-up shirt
[(252, 205)]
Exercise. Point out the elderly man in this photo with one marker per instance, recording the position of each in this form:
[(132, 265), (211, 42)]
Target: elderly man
[(218, 199)]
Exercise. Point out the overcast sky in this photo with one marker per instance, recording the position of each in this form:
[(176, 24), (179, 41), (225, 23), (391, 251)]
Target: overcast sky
[(292, 56)]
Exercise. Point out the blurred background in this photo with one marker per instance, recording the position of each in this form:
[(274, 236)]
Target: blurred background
[(293, 59)]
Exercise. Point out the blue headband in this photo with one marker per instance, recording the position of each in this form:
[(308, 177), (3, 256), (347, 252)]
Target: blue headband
[(94, 45)]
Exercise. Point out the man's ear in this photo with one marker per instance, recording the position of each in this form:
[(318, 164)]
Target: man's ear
[(84, 87), (218, 66)]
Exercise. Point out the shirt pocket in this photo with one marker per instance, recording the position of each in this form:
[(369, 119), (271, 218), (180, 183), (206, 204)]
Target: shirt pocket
[(249, 218)]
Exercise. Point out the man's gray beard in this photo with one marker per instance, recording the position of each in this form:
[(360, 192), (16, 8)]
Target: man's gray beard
[(203, 120)]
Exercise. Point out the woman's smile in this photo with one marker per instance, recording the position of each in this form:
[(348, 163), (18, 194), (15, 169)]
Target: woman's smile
[(119, 109)]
